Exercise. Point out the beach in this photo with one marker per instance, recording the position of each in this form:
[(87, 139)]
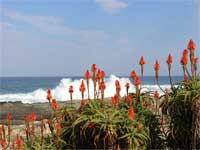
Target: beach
[(19, 109)]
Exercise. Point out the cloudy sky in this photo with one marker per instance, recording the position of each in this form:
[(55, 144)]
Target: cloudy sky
[(64, 37)]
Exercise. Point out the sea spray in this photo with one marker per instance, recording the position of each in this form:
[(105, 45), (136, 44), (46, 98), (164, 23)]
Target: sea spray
[(60, 92)]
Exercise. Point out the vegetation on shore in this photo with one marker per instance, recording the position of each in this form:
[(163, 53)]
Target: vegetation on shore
[(140, 120)]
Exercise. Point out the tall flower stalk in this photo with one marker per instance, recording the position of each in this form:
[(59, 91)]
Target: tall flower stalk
[(19, 143), (191, 47), (184, 62), (58, 129), (71, 90), (142, 62), (127, 86), (87, 77), (131, 113), (102, 88), (195, 61), (32, 119), (27, 124), (42, 127), (82, 90), (118, 88), (9, 119), (156, 96), (137, 83), (169, 63), (157, 68), (133, 75), (94, 69)]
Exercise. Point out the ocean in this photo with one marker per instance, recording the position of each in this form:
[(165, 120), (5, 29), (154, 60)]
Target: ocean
[(33, 89)]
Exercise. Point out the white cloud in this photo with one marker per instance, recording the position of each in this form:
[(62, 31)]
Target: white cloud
[(44, 23), (49, 24), (112, 6)]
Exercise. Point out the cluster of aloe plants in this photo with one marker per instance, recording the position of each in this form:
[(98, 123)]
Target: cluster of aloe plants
[(140, 120), (182, 106)]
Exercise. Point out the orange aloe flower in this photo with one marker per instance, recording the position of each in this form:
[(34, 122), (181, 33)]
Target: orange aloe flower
[(114, 100), (157, 68), (118, 87), (137, 81), (102, 74), (102, 88), (9, 117), (156, 94), (33, 116), (131, 113), (169, 59), (127, 86), (102, 85), (185, 52), (184, 61), (191, 45), (98, 76), (133, 74), (94, 67), (49, 96), (82, 89), (71, 89), (3, 144), (142, 62), (169, 62), (19, 142), (129, 98), (58, 128), (54, 105), (87, 75)]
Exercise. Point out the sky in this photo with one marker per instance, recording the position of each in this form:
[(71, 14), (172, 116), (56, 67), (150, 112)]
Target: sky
[(64, 37)]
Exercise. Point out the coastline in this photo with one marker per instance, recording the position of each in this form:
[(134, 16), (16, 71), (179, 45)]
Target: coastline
[(19, 109)]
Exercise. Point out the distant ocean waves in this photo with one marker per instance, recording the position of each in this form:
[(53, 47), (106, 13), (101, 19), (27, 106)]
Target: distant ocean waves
[(60, 92)]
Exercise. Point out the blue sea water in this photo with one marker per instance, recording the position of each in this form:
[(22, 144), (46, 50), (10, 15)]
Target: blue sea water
[(33, 89)]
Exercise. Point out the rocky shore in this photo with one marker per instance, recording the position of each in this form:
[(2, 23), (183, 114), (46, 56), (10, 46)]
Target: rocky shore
[(19, 109)]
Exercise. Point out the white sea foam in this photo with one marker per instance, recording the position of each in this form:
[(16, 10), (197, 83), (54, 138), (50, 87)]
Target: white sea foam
[(61, 91)]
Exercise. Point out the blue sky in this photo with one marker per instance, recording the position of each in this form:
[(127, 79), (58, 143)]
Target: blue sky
[(64, 37)]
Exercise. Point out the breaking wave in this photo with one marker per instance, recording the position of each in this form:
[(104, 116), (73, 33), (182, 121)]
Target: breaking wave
[(61, 91)]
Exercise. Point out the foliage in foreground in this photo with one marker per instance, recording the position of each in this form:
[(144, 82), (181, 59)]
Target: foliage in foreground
[(140, 120)]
